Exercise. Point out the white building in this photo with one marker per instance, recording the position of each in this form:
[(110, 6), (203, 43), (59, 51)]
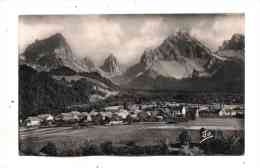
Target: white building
[(86, 116), (231, 110), (123, 114), (46, 117), (183, 111), (68, 117)]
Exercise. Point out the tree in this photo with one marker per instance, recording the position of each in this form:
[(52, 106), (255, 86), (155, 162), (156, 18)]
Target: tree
[(50, 149), (184, 138), (129, 119)]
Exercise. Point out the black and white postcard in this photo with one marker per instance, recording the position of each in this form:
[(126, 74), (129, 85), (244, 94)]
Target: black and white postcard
[(131, 85)]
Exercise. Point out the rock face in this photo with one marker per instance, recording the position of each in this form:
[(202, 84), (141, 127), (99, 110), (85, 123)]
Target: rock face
[(233, 49), (51, 53), (111, 65), (179, 56), (237, 42), (183, 62)]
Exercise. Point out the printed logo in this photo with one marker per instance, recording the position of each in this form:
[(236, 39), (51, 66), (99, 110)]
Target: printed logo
[(205, 135)]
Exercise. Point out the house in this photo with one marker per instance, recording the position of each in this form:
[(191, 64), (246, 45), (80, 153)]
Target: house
[(208, 114), (143, 116), (215, 106), (76, 113), (86, 116), (191, 113), (106, 114), (231, 110), (134, 107), (46, 119), (133, 116), (148, 106), (136, 111), (32, 121), (93, 113), (154, 116), (67, 117), (115, 122), (177, 111), (202, 111), (170, 104), (225, 112), (203, 108), (123, 113), (20, 122), (197, 113), (155, 112), (115, 117), (106, 117), (98, 119), (183, 111)]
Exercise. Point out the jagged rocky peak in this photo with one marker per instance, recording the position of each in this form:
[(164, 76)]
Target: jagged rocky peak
[(237, 42), (50, 52), (178, 47), (181, 35), (48, 44), (182, 44), (234, 48), (111, 65), (57, 38)]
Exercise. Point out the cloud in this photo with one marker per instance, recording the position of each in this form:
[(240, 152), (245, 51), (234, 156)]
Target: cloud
[(92, 36), (95, 37), (126, 36), (222, 28), (148, 36)]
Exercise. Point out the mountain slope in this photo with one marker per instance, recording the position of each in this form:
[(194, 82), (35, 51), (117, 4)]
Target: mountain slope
[(53, 92)]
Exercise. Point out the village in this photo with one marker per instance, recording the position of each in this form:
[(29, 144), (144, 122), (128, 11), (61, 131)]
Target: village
[(164, 112)]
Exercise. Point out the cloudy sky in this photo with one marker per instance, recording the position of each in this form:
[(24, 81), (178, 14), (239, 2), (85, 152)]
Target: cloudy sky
[(126, 36)]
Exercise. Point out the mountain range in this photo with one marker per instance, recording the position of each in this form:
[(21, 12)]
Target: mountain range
[(182, 62), (51, 75), (180, 57)]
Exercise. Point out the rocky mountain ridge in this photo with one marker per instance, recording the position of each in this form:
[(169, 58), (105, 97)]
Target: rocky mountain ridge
[(53, 52), (183, 62)]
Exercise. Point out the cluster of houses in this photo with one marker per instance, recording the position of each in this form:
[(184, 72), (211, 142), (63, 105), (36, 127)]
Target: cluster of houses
[(152, 112)]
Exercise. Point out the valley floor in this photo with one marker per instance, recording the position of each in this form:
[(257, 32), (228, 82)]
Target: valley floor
[(140, 133)]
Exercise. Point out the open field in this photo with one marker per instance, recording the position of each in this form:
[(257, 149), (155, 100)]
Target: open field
[(140, 133)]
